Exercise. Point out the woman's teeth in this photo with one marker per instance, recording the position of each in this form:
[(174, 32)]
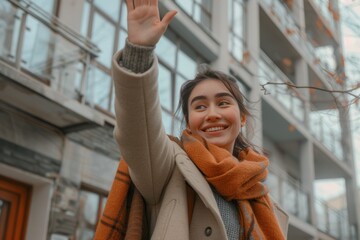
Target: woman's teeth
[(213, 129)]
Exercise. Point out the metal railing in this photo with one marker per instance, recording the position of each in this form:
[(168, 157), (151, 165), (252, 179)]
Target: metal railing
[(288, 193), (323, 129), (333, 222), (290, 99), (323, 7), (288, 25), (36, 42)]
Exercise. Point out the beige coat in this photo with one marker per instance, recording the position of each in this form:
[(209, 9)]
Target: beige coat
[(159, 167)]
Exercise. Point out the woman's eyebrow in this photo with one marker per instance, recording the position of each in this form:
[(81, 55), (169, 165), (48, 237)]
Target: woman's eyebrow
[(218, 95)]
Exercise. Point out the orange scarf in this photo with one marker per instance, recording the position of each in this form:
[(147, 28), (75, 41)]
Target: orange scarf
[(240, 180), (235, 179), (123, 216)]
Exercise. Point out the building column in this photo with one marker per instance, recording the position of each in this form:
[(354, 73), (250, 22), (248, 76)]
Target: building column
[(220, 28), (253, 46), (307, 168)]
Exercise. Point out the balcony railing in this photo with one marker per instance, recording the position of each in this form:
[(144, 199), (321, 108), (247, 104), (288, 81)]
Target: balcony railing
[(323, 129), (290, 99), (288, 193), (288, 25), (333, 222), (323, 7), (38, 44), (283, 14)]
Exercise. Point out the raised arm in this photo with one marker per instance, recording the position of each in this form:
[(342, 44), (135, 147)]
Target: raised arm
[(139, 131)]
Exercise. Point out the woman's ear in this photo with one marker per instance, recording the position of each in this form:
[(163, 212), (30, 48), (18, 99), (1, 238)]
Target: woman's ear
[(243, 120)]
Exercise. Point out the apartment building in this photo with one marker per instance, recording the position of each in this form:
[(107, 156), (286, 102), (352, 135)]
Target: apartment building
[(57, 153)]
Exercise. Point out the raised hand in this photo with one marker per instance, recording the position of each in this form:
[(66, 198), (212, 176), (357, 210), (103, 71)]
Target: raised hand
[(144, 24)]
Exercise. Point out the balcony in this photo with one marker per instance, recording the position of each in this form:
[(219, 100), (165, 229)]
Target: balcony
[(333, 222), (288, 193), (45, 66), (321, 20), (326, 129), (46, 71), (281, 15), (288, 98)]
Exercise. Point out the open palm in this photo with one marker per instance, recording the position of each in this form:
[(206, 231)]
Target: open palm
[(144, 25)]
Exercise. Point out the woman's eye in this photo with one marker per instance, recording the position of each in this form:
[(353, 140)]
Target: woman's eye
[(200, 107), (223, 103)]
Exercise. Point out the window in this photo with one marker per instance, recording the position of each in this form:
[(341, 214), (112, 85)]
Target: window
[(236, 11), (104, 22), (178, 63), (199, 10), (91, 206)]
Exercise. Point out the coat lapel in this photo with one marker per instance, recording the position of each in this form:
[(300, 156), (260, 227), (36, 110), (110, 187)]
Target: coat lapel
[(197, 181)]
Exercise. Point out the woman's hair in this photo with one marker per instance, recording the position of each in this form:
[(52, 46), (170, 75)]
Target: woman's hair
[(230, 83)]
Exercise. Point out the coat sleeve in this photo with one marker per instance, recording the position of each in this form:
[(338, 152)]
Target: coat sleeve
[(139, 131)]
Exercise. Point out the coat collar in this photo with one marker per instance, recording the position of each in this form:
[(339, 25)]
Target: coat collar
[(197, 181)]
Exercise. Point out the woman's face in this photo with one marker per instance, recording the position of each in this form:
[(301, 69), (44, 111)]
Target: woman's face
[(214, 114)]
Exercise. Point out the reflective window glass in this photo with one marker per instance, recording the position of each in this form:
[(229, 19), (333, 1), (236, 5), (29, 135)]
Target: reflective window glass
[(110, 7), (47, 5), (98, 88), (103, 35), (199, 10), (179, 82), (167, 122), (166, 51), (186, 65), (237, 22), (85, 19), (164, 81)]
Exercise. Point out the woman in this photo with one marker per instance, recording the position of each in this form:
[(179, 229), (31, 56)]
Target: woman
[(205, 186)]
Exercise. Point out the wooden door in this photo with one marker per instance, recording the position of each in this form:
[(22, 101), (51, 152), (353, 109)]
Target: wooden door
[(14, 209)]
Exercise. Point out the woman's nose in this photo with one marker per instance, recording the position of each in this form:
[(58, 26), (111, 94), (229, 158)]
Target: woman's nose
[(212, 114)]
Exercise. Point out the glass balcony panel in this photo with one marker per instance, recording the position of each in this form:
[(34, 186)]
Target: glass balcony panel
[(123, 15), (334, 223), (39, 44), (273, 184), (303, 208), (122, 39), (98, 88), (9, 31), (321, 216), (298, 109), (284, 96), (289, 201)]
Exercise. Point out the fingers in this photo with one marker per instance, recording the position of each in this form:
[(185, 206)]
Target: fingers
[(137, 3), (130, 5), (154, 3), (168, 17)]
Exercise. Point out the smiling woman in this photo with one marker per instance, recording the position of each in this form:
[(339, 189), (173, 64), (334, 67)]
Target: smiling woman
[(208, 184)]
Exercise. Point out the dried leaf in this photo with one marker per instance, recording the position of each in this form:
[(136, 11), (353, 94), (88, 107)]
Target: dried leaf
[(291, 128), (287, 62)]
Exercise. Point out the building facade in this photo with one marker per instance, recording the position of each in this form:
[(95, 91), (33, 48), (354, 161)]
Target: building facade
[(57, 153)]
